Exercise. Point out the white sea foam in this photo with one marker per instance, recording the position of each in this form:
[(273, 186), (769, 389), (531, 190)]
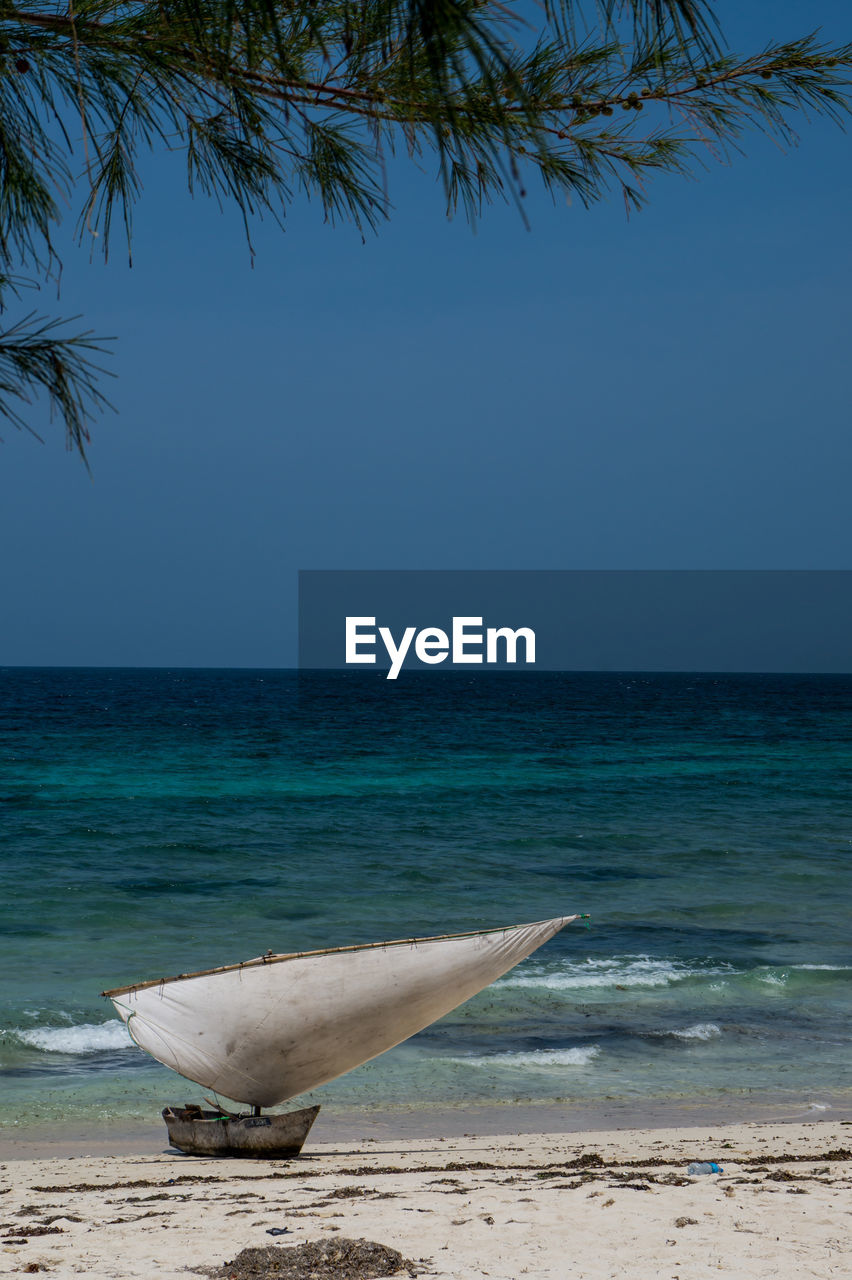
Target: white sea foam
[(829, 968), (88, 1037), (772, 979), (579, 1057), (700, 1031), (57, 1013), (621, 971)]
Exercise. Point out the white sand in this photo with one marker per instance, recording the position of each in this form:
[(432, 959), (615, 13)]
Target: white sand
[(525, 1214)]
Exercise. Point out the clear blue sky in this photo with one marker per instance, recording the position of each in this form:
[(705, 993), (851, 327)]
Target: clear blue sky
[(668, 392)]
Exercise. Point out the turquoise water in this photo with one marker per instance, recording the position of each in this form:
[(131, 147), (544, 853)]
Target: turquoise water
[(162, 821)]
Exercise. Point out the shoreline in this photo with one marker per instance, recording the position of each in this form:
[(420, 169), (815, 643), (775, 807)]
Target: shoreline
[(588, 1205), (335, 1124)]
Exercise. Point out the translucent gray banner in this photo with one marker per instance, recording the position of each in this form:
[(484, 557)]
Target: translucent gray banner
[(393, 621)]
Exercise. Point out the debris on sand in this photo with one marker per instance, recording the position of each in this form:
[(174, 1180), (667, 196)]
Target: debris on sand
[(340, 1259)]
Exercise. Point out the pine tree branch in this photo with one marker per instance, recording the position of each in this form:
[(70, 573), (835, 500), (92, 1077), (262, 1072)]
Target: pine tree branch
[(35, 359), (272, 98)]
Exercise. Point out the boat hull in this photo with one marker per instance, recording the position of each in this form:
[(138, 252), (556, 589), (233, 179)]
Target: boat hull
[(213, 1133)]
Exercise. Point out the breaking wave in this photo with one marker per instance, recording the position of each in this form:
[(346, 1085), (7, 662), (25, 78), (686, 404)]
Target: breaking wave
[(88, 1037), (771, 979), (621, 971), (579, 1057), (700, 1031), (824, 968)]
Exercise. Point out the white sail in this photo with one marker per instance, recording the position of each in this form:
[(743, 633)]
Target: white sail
[(271, 1028)]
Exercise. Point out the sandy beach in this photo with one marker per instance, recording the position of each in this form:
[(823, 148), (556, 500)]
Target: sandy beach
[(587, 1205)]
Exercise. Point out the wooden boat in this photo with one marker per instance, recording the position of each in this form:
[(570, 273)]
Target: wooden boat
[(277, 1026), (218, 1133)]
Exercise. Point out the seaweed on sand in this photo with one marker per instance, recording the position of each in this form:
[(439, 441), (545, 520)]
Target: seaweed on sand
[(340, 1259)]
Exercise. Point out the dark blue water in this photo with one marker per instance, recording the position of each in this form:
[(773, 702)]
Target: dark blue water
[(155, 822)]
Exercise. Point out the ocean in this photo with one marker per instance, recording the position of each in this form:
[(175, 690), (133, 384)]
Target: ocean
[(162, 821)]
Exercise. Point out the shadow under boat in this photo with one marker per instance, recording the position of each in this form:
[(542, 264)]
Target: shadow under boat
[(218, 1133)]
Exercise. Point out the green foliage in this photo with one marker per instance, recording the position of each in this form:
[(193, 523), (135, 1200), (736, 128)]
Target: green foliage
[(33, 358), (271, 100)]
